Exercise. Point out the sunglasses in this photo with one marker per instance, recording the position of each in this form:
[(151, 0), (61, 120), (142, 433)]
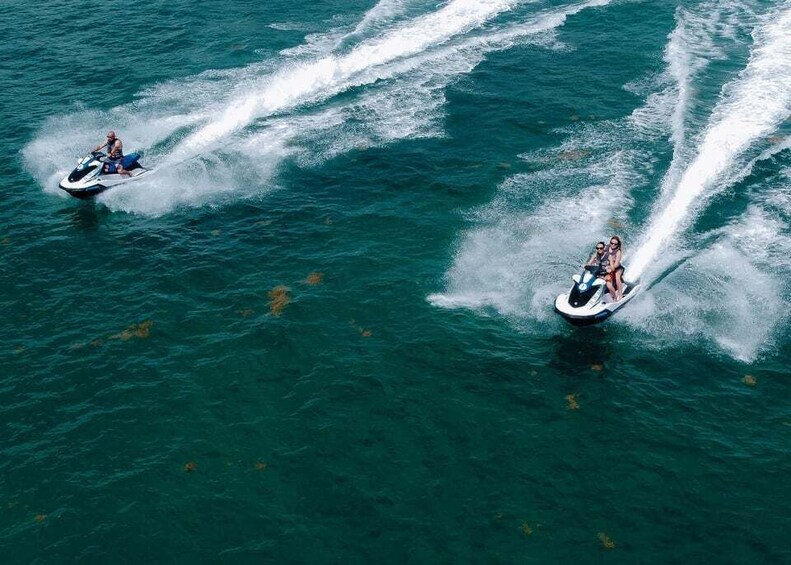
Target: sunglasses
[(599, 248), (614, 244)]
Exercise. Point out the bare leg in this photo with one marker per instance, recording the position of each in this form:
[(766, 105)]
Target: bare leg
[(619, 284), (611, 288), (120, 169)]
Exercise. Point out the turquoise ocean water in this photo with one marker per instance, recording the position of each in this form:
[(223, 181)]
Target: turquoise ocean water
[(322, 331)]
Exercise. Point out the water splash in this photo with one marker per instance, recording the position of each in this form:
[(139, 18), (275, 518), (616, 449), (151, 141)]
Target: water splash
[(753, 107)]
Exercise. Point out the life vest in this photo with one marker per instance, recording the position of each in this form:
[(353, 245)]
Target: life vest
[(603, 262), (110, 144)]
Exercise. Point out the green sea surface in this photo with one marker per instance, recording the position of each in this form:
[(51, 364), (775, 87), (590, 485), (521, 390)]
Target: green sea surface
[(322, 332)]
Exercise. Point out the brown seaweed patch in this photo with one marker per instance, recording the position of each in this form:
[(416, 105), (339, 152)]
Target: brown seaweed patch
[(40, 517), (606, 541), (526, 529), (190, 467), (260, 466), (20, 349), (278, 299), (571, 401), (365, 332), (749, 380), (574, 154), (245, 312), (141, 330), (597, 367), (314, 278)]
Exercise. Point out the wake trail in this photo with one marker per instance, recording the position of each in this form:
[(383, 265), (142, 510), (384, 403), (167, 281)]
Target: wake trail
[(754, 106), (319, 79)]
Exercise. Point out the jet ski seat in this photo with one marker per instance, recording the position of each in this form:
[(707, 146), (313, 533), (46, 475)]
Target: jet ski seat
[(128, 162)]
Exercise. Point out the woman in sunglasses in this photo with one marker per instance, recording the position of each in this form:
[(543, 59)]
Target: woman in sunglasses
[(616, 269), (601, 259)]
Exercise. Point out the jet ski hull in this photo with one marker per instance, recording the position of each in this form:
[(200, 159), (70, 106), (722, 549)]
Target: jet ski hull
[(88, 179), (589, 314)]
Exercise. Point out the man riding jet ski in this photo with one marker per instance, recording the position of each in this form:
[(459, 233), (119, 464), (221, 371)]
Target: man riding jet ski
[(99, 171), (587, 302)]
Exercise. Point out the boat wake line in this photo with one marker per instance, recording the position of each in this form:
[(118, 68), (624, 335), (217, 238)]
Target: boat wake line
[(208, 146)]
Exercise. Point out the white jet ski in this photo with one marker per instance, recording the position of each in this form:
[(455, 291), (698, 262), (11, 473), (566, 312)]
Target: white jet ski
[(588, 301), (95, 173)]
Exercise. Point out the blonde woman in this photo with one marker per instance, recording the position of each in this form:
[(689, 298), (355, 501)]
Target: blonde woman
[(616, 269)]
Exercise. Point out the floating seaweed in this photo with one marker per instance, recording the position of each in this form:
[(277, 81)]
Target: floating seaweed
[(328, 221), (190, 467), (606, 541), (571, 400), (526, 529), (278, 299), (597, 367), (40, 518), (574, 154), (5, 240), (260, 466), (314, 278), (366, 333), (141, 330), (215, 233), (245, 312), (749, 380)]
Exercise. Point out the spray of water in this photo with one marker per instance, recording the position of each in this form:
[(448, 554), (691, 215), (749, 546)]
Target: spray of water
[(752, 108), (316, 80)]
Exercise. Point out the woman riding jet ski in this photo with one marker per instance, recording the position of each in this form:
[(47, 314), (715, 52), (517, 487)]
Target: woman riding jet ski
[(588, 301), (99, 171)]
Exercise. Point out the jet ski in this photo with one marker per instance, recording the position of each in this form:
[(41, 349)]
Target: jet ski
[(588, 301), (95, 173)]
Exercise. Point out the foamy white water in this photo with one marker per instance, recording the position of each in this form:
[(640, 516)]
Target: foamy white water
[(331, 74), (407, 102), (753, 107)]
